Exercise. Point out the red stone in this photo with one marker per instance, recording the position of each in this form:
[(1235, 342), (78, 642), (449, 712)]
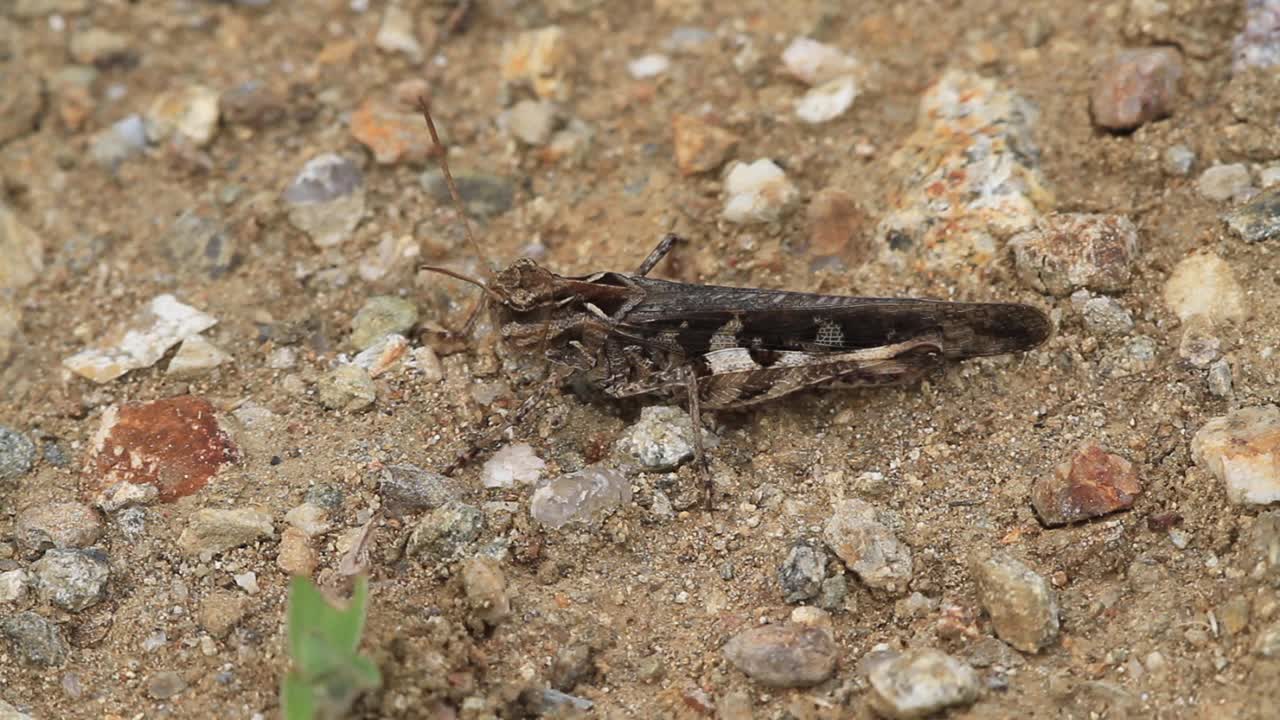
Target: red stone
[(174, 444), (1093, 483)]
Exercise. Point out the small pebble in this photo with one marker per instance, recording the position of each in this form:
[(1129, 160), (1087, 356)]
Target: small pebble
[(485, 586), (648, 66), (1258, 44), (295, 555), (382, 355), (814, 63), (662, 439), (1218, 379), (1022, 605), (396, 33), (1136, 87), (1071, 251), (35, 639), (540, 59), (326, 199), (309, 518), (17, 454), (1220, 183), (189, 113), (407, 489), (532, 121), (198, 243), (220, 611), (1258, 219), (699, 145), (783, 656), (21, 251), (513, 463), (858, 534), (919, 683), (445, 532), (802, 573), (22, 104), (382, 315), (394, 136), (248, 581), (1092, 483), (62, 525), (837, 228), (347, 388), (686, 40), (483, 195), (1178, 160), (252, 104), (757, 192), (213, 531), (1203, 285), (165, 684), (827, 101), (1242, 450), (123, 140), (13, 586), (100, 47), (1105, 316), (1268, 643), (428, 363), (71, 579), (579, 496), (195, 357)]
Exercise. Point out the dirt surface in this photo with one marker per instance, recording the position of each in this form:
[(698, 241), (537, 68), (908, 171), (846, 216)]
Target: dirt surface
[(649, 599)]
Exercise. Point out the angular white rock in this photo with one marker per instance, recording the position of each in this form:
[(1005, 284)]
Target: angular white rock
[(814, 63), (648, 66), (382, 354), (196, 357), (1242, 449), (757, 192), (1203, 285), (827, 101), (140, 342), (511, 464)]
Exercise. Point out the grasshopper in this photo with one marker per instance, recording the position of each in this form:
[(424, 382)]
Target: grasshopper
[(720, 348)]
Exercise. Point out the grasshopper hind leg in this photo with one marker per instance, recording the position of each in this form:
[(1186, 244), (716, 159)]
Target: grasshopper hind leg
[(699, 451)]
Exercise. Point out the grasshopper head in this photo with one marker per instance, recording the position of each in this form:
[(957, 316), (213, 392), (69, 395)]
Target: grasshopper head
[(524, 285)]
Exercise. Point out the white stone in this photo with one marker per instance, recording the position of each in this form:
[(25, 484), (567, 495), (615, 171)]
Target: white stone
[(512, 464), (197, 356), (311, 519), (648, 66), (757, 192), (395, 34), (1203, 285), (382, 355), (1223, 182), (141, 341), (190, 113), (1242, 449), (815, 63), (827, 101)]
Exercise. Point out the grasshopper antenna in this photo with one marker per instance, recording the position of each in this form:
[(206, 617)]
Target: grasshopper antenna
[(442, 154)]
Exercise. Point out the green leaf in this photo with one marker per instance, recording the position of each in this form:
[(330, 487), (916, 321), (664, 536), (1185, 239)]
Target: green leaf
[(348, 624), (308, 613), (297, 698)]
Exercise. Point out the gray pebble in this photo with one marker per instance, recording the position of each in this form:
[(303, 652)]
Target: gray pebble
[(1106, 316), (860, 535), (199, 244), (1178, 160), (13, 586), (326, 495), (407, 489), (251, 104), (580, 496), (1022, 605), (1219, 379), (123, 140), (662, 439), (445, 532), (165, 684), (1258, 219), (483, 195), (17, 453), (348, 388), (803, 572), (834, 591), (326, 199), (1223, 182), (35, 639), (23, 101), (380, 316), (783, 656), (919, 683), (1136, 87), (71, 579)]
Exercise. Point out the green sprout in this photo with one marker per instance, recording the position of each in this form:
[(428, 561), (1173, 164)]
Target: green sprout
[(328, 673)]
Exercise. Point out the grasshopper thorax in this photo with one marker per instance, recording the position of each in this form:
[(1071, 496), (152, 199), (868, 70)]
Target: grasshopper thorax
[(525, 285)]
